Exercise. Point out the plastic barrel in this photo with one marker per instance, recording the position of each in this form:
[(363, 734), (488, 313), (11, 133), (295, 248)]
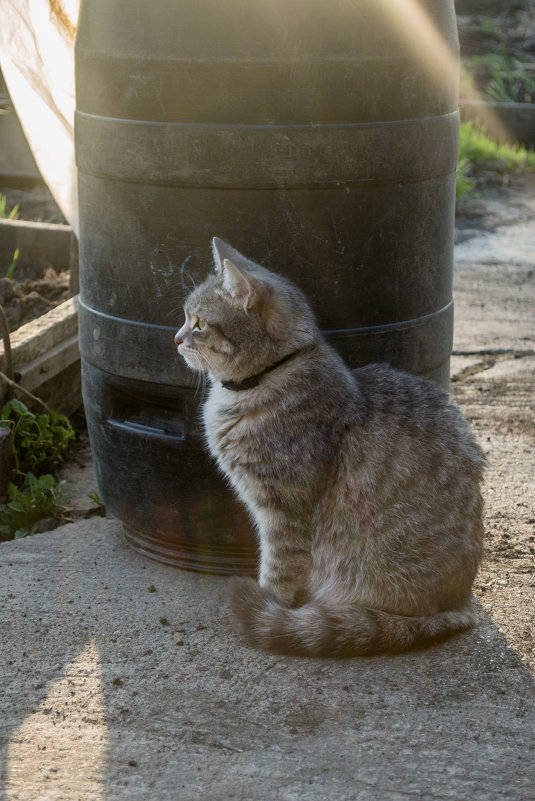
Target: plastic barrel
[(317, 138)]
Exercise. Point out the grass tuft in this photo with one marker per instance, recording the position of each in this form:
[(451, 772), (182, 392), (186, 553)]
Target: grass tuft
[(477, 149), (4, 213)]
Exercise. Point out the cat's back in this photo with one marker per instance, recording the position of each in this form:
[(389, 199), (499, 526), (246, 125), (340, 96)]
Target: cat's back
[(388, 389), (404, 408)]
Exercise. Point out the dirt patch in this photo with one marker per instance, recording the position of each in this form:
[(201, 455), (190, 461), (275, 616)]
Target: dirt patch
[(36, 285), (24, 300)]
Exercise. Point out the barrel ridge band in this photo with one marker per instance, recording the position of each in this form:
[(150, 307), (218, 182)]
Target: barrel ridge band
[(127, 347), (257, 156)]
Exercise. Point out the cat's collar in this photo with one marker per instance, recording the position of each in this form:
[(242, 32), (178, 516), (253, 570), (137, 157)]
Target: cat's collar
[(253, 380)]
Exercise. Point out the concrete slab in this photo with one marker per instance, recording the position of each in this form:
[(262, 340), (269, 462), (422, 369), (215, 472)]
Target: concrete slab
[(122, 680), (494, 275)]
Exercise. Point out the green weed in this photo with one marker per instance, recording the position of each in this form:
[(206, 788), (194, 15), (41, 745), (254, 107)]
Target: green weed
[(28, 504), (11, 215), (4, 214), (476, 150), (95, 496), (498, 78), (38, 442), (464, 185), (514, 84), (11, 269)]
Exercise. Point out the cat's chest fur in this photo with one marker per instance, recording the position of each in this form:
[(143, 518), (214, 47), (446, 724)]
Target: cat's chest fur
[(225, 420), (256, 437), (236, 427), (233, 434)]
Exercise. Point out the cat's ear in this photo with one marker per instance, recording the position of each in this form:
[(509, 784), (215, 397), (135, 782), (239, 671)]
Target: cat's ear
[(217, 250), (222, 251), (239, 284)]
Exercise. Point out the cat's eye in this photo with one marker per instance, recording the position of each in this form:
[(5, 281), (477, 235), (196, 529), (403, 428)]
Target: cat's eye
[(200, 324)]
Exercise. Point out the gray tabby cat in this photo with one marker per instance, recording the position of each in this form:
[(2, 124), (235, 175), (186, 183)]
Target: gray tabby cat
[(364, 485)]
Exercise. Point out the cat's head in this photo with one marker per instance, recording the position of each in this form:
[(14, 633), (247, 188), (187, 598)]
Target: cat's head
[(242, 318)]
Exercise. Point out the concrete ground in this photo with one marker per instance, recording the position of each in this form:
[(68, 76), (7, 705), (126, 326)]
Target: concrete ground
[(122, 680)]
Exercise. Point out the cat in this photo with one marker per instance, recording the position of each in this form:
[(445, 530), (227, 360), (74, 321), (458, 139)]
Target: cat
[(364, 485)]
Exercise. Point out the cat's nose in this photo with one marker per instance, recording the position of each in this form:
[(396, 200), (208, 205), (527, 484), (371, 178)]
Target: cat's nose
[(182, 334)]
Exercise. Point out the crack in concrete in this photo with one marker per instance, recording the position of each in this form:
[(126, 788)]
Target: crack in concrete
[(489, 357), (518, 354)]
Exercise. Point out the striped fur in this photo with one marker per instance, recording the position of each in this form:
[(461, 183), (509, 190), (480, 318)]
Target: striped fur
[(364, 487), (315, 629)]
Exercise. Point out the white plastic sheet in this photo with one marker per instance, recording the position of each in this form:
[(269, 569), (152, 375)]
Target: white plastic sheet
[(37, 60)]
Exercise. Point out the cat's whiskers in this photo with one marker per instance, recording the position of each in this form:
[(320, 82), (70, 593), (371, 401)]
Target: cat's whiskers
[(202, 383), (199, 369), (208, 363)]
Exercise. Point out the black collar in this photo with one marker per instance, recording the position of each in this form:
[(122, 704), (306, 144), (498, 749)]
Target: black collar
[(254, 380)]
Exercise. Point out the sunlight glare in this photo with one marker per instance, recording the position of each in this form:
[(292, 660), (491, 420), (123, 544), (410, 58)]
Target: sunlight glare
[(61, 745), (415, 27)]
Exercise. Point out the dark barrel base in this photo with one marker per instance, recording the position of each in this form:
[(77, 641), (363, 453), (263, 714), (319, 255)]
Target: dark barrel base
[(155, 476), (206, 558)]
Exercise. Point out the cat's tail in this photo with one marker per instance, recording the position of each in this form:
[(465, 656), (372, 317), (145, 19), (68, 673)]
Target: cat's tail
[(314, 629)]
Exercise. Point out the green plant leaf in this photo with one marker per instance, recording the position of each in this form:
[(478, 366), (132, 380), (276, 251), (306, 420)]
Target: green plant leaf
[(39, 440), (4, 214), (36, 499), (477, 148), (38, 444), (12, 267)]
